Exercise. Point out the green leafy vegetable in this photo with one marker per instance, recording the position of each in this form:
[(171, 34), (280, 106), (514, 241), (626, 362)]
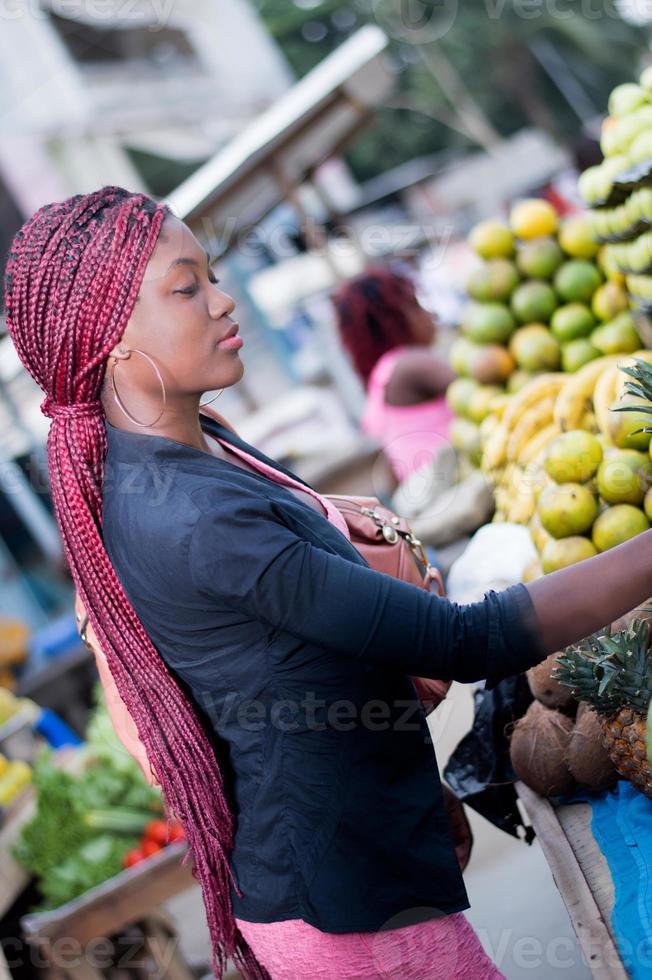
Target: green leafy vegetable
[(84, 824)]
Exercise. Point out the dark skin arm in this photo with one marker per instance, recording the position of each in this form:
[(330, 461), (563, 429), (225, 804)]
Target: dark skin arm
[(576, 601), (418, 376)]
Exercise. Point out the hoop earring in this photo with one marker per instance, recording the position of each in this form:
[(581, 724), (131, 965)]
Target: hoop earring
[(221, 391), (118, 400)]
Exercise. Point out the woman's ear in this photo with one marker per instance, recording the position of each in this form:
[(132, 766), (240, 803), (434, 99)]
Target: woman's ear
[(121, 351)]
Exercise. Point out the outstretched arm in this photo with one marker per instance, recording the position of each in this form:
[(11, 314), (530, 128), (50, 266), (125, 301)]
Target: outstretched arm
[(578, 600), (421, 372), (242, 555)]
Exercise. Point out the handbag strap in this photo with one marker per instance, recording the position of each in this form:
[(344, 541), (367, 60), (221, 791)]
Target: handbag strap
[(392, 526)]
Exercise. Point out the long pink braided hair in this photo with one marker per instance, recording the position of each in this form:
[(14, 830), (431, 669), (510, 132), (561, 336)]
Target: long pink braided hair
[(71, 281)]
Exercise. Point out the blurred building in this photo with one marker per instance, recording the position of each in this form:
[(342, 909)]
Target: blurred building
[(138, 97)]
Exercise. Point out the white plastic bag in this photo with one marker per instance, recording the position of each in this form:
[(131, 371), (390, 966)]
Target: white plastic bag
[(496, 557)]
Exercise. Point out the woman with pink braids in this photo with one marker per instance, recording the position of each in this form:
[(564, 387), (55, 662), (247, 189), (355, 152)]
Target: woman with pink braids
[(266, 667)]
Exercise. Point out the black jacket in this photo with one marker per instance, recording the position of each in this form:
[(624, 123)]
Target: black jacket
[(299, 655)]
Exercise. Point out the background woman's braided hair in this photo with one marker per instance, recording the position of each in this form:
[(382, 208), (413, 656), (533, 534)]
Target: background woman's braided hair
[(71, 281), (372, 315)]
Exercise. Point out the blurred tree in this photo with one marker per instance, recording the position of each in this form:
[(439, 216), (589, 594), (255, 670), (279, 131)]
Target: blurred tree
[(470, 73)]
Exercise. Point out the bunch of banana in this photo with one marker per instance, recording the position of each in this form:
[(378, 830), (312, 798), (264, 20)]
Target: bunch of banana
[(531, 422), (576, 394), (540, 387), (519, 489), (524, 498), (525, 428), (587, 397), (538, 443)]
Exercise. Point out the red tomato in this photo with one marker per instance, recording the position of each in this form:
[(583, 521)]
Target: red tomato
[(135, 856), (149, 847), (157, 830), (177, 832)]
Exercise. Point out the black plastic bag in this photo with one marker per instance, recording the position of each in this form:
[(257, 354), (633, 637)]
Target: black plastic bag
[(479, 771)]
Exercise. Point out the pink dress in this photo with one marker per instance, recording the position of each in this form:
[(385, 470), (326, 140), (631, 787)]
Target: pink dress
[(411, 435), (446, 948)]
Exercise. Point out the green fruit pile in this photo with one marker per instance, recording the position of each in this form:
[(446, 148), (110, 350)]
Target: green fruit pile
[(538, 303), (596, 497), (620, 188)]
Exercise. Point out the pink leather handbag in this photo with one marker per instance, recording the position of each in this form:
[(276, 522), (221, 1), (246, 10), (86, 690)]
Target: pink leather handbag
[(389, 545)]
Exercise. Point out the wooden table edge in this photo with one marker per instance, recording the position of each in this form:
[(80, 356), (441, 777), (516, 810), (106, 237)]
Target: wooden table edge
[(602, 956)]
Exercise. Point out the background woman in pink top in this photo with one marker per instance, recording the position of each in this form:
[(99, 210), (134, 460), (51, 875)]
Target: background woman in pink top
[(388, 335)]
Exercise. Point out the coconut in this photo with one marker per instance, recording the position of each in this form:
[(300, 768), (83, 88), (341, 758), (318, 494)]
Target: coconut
[(549, 691), (538, 750), (587, 757)]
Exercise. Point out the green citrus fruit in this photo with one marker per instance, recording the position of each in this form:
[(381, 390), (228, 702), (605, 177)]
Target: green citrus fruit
[(564, 552), (458, 395), (624, 477), (539, 258), (488, 323), (492, 240), (647, 504), (566, 509), (460, 354), (534, 348), (533, 302), (577, 353), (624, 426), (490, 364), (496, 280), (620, 336), (575, 237), (572, 321), (576, 281), (573, 457), (618, 524), (533, 218)]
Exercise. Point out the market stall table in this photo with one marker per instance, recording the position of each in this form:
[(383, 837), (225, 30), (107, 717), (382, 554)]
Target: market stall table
[(581, 875)]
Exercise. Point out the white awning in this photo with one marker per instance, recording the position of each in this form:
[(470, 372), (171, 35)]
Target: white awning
[(313, 121)]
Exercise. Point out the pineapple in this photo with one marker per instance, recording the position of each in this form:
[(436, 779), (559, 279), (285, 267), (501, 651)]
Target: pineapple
[(613, 673)]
